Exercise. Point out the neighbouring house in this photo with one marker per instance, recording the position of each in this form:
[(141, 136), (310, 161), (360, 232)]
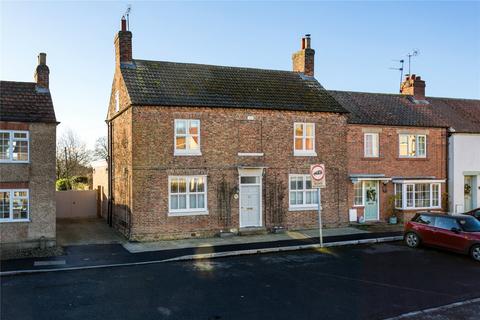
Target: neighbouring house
[(27, 161), (463, 117), (397, 152), (195, 149)]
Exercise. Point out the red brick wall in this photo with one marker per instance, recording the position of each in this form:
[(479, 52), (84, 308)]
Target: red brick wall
[(389, 163), (152, 161)]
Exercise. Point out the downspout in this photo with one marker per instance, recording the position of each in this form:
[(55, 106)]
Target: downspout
[(110, 162), (450, 131)]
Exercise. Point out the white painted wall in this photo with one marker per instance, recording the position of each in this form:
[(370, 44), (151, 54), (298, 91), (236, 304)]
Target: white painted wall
[(464, 159)]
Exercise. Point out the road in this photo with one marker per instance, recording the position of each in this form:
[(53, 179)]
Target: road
[(359, 282)]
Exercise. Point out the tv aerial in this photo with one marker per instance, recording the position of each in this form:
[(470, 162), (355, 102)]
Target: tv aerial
[(402, 62), (127, 15), (414, 53)]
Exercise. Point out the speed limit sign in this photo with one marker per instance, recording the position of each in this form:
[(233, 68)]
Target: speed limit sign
[(317, 173)]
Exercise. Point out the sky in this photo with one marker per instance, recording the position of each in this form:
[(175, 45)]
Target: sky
[(356, 44)]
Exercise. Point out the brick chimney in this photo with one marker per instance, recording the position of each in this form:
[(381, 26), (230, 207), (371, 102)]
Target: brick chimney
[(303, 60), (42, 72), (413, 86), (123, 45)]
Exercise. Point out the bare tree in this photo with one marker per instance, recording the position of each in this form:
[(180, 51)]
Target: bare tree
[(100, 152), (73, 157)]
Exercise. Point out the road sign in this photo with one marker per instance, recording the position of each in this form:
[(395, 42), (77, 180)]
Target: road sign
[(317, 173)]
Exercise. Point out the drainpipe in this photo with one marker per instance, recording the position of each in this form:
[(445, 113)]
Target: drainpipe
[(110, 161), (450, 131)]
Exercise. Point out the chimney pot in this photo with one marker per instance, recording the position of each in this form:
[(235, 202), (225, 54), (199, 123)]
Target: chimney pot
[(303, 43), (42, 58)]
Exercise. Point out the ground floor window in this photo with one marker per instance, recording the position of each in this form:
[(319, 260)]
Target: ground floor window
[(187, 194), (14, 205), (301, 193), (417, 195), (358, 193)]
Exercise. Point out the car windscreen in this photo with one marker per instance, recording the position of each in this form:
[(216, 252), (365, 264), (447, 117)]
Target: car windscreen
[(469, 224)]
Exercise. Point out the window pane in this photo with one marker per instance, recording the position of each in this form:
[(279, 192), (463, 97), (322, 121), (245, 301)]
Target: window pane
[(182, 185), (308, 183), (20, 150), (4, 205), (181, 143), (20, 208), (409, 195), (308, 144), (4, 142), (293, 183), (249, 180), (193, 185), (201, 201), (20, 135), (300, 184), (315, 197), (422, 195), (174, 202), (411, 146), (421, 146), (358, 190), (200, 185), (368, 145), (174, 186), (299, 197), (193, 201), (403, 145), (20, 193), (298, 144), (194, 126), (446, 223), (181, 126), (398, 196), (308, 197), (182, 202), (299, 130), (192, 143), (435, 195), (293, 198), (309, 129), (424, 219)]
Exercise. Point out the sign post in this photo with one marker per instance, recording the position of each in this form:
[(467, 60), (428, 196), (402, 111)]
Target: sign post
[(317, 174)]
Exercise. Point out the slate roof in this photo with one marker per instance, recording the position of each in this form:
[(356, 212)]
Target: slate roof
[(463, 115), (25, 102), (159, 83)]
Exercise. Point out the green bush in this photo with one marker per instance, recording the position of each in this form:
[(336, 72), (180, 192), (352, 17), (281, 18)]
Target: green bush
[(63, 184)]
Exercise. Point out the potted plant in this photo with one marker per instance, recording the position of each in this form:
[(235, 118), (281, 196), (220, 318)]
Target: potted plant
[(391, 211)]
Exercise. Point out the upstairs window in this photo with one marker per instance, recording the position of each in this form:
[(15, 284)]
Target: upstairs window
[(370, 145), (14, 146), (187, 137), (13, 205), (304, 139), (412, 145)]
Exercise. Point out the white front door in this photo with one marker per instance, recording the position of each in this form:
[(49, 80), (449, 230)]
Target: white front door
[(250, 212)]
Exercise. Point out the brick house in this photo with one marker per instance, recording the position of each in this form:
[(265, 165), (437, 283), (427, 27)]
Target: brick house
[(397, 146), (27, 161), (199, 149)]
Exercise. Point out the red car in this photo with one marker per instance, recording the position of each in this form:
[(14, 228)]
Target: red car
[(474, 213), (460, 233)]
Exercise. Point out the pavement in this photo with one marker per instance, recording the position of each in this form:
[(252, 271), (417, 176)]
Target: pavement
[(122, 253), (369, 281)]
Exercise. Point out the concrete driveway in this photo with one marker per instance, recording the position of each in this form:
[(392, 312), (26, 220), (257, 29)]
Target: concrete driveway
[(72, 232)]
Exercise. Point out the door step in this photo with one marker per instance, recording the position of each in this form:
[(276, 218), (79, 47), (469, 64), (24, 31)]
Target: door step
[(248, 231)]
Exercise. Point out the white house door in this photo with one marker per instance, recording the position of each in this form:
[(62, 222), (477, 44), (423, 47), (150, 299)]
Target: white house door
[(250, 202)]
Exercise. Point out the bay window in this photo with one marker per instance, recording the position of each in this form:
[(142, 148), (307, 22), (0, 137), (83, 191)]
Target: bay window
[(187, 137), (417, 195), (301, 193), (14, 205), (187, 195), (14, 146)]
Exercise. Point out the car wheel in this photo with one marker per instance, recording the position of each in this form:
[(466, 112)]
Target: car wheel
[(475, 252), (412, 240)]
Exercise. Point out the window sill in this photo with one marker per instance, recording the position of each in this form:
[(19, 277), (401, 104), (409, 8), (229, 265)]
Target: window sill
[(413, 158), (250, 154), (304, 154), (372, 158), (359, 206), (186, 154), (422, 208), (14, 162), (17, 220), (187, 213), (309, 208)]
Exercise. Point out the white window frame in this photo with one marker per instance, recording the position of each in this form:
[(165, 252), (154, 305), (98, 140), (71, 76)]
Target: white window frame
[(10, 218), (303, 151), (403, 187), (375, 145), (186, 151), (10, 146), (363, 194), (416, 145), (300, 207), (188, 211)]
